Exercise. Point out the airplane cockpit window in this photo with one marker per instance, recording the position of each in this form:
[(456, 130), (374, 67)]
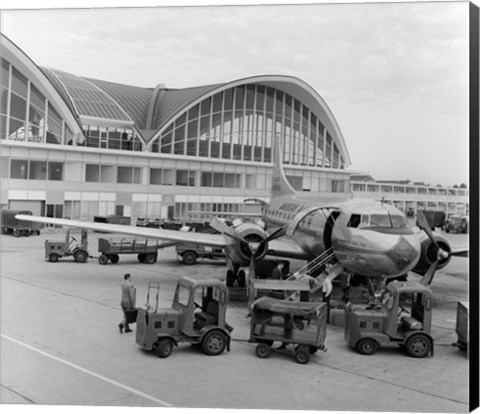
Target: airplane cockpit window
[(380, 220), (399, 221), (354, 220)]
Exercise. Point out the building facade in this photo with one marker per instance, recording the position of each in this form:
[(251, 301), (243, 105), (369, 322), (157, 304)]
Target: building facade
[(76, 148), (412, 197)]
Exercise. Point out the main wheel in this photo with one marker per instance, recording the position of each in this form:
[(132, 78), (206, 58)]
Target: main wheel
[(241, 278), (263, 350), (366, 346), (302, 356), (189, 258), (114, 258), (141, 257), (214, 343), (230, 278), (103, 259), (80, 256), (53, 257), (418, 346), (164, 348), (16, 233)]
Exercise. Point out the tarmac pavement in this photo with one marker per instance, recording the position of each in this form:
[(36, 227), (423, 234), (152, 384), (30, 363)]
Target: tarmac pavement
[(60, 345)]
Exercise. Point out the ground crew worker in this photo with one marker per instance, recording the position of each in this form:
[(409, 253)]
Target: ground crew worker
[(129, 294), (277, 273)]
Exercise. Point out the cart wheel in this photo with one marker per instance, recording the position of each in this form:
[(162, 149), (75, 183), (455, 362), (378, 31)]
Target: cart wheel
[(302, 356), (214, 343), (16, 233), (80, 256), (141, 258), (263, 350), (312, 349), (241, 278), (164, 348), (114, 258), (103, 260), (366, 346), (418, 346), (230, 278), (189, 257), (150, 259), (53, 257)]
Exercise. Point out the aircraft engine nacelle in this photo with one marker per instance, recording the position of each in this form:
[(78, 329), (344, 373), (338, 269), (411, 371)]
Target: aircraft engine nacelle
[(240, 252), (428, 253)]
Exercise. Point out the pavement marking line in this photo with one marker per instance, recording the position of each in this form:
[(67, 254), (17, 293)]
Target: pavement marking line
[(86, 371)]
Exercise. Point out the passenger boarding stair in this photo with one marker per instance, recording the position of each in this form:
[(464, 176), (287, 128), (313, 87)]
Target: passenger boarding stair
[(326, 263)]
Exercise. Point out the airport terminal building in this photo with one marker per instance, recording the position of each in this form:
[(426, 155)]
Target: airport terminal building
[(74, 147)]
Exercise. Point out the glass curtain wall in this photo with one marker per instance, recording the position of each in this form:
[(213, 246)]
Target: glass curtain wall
[(239, 124), (25, 114)]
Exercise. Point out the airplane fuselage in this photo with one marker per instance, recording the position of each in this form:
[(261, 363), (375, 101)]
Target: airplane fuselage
[(369, 238)]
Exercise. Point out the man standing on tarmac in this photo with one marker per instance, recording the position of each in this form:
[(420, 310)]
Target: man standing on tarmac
[(129, 294)]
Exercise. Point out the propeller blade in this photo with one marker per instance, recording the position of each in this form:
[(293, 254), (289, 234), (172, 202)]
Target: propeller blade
[(460, 253), (276, 234), (428, 277), (425, 226), (221, 227), (251, 269)]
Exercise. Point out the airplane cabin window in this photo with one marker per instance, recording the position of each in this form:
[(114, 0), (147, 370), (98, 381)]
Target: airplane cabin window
[(354, 220)]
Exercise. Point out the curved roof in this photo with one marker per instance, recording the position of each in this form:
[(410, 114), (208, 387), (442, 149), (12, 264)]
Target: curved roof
[(173, 103), (134, 100), (88, 99), (150, 110)]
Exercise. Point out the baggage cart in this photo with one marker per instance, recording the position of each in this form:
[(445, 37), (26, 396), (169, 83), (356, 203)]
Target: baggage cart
[(302, 325), (146, 251)]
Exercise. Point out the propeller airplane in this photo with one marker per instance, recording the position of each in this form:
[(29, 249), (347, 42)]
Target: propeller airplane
[(361, 237)]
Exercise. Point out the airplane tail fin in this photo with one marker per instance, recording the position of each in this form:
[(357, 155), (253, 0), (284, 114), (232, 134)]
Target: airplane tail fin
[(280, 184)]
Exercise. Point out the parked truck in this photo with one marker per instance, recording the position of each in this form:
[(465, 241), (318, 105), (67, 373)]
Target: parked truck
[(191, 252), (10, 225), (434, 218), (146, 251)]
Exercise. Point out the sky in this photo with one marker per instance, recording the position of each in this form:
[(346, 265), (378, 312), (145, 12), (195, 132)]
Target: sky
[(395, 75)]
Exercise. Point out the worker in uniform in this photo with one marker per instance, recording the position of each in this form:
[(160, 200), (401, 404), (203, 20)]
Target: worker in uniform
[(129, 294)]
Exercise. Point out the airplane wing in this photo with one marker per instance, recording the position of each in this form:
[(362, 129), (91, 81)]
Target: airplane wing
[(215, 240)]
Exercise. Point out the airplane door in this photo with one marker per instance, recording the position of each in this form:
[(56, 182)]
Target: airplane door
[(327, 234)]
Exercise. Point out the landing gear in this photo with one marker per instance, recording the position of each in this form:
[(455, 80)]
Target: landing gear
[(238, 276)]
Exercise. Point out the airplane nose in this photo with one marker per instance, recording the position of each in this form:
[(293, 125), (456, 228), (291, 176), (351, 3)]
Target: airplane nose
[(377, 254), (404, 253)]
